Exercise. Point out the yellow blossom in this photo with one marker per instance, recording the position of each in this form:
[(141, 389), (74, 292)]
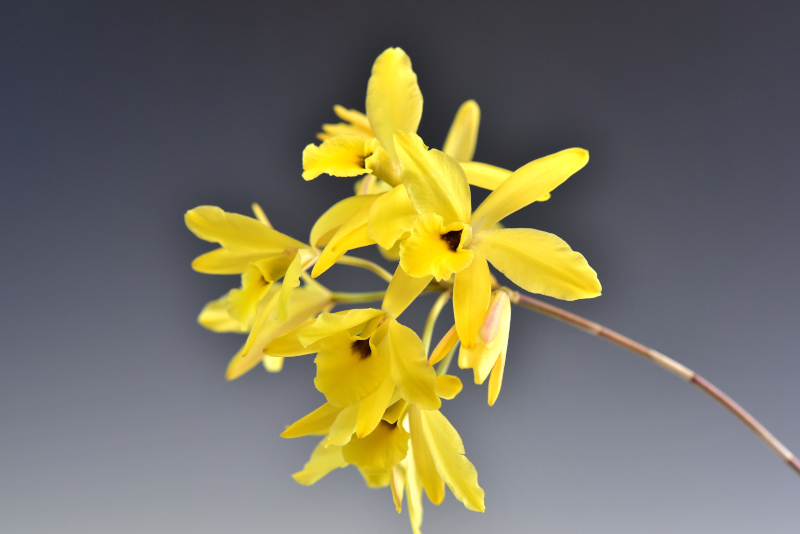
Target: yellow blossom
[(448, 239)]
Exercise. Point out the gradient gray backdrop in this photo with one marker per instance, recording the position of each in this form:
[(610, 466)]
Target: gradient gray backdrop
[(114, 121)]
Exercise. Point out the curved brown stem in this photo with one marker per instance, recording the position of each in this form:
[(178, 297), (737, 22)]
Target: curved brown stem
[(664, 361)]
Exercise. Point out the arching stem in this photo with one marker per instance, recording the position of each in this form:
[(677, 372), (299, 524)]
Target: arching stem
[(667, 363)]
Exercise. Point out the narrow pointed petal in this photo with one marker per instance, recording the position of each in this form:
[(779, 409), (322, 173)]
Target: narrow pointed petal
[(463, 135), (496, 378), (215, 316), (444, 346), (352, 234), (447, 451), (343, 427), (528, 184), (342, 155), (235, 231), (471, 293), (372, 407), (392, 217), (402, 291), (328, 324), (435, 181), (413, 492), (306, 303), (330, 221), (448, 386), (539, 262), (394, 101), (384, 167), (398, 484), (291, 280), (484, 175), (227, 261), (429, 250), (426, 468), (323, 460), (409, 366), (289, 344), (356, 124), (317, 422)]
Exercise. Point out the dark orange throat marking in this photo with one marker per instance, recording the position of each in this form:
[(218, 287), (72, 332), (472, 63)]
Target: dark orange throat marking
[(361, 348), (452, 239)]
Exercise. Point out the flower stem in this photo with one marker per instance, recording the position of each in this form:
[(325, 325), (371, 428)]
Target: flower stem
[(357, 297), (430, 322), (365, 264), (667, 363)]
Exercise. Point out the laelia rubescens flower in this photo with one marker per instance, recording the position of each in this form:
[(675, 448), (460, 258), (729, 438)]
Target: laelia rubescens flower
[(365, 145), (366, 360), (410, 450)]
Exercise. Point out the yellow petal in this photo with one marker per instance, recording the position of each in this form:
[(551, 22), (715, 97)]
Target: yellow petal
[(338, 214), (397, 484), (409, 366), (391, 217), (291, 280), (273, 364), (244, 302), (342, 155), (540, 263), (381, 450), (349, 369), (484, 175), (496, 378), (306, 303), (328, 324), (435, 249), (444, 346), (413, 492), (226, 261), (435, 181), (236, 232), (317, 422), (372, 407), (395, 410), (402, 291), (471, 293), (382, 166), (323, 460), (394, 101), (448, 386), (215, 316), (352, 234), (356, 124), (447, 451), (374, 480), (491, 345), (463, 135), (343, 426), (528, 184), (426, 468)]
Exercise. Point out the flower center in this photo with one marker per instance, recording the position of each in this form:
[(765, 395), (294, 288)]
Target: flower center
[(452, 239), (361, 348)]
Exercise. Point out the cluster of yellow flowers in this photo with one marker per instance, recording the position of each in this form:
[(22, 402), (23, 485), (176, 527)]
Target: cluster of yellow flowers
[(383, 392)]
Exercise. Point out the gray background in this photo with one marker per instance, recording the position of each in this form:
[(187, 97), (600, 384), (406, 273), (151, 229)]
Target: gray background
[(114, 121)]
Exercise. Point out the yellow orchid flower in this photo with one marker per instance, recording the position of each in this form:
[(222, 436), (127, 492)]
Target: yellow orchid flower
[(410, 450), (366, 361), (365, 145), (253, 248), (487, 355), (449, 239), (307, 302)]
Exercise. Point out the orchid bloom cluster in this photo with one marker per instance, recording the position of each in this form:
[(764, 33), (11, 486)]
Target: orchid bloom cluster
[(382, 387)]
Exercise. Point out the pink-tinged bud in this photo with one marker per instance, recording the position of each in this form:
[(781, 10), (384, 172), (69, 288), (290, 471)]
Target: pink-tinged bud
[(499, 308)]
